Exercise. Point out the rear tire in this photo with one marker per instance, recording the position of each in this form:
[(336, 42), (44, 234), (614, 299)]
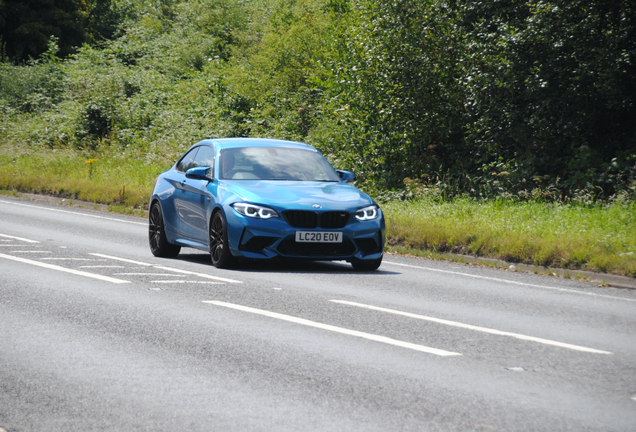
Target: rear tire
[(159, 245), (366, 265), (219, 246)]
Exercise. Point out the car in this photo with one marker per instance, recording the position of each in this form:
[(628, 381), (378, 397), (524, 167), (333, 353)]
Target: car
[(263, 199)]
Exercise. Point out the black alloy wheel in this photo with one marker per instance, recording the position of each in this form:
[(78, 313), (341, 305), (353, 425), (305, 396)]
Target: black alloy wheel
[(219, 247), (159, 245)]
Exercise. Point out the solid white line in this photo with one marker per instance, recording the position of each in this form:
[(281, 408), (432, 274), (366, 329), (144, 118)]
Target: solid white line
[(476, 328), (509, 281), (31, 251), (314, 324), (18, 238), (158, 267), (63, 269), (75, 213)]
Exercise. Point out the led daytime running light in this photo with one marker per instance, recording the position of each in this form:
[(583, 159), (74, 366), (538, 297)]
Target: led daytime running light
[(255, 211), (367, 213)]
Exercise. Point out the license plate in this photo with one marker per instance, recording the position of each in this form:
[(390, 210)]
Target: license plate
[(318, 237)]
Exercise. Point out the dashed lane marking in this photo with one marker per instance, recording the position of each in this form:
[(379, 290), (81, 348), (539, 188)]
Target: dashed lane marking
[(18, 238), (147, 274), (475, 328), (187, 282), (308, 323), (159, 267), (203, 275), (63, 269), (68, 259), (121, 259), (102, 266)]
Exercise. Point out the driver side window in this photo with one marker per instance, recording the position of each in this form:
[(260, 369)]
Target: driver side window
[(205, 158), (187, 161)]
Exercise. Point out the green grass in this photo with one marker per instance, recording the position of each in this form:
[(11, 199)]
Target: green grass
[(122, 180), (570, 236)]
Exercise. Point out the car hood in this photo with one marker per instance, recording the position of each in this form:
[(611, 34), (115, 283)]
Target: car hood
[(297, 194)]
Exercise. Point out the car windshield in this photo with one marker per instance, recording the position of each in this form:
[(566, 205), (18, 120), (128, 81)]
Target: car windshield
[(275, 163)]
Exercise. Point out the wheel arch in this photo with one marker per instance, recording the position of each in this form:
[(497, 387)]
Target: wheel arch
[(170, 234)]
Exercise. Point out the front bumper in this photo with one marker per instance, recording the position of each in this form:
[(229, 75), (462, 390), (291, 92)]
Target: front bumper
[(271, 238)]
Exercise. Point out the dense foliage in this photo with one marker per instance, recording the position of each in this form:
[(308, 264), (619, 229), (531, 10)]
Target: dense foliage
[(453, 97), (26, 26)]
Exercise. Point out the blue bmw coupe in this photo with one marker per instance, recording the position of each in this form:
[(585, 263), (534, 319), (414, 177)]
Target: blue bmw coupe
[(263, 199)]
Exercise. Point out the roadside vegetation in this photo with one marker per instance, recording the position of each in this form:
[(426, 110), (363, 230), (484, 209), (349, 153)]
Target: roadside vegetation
[(569, 236), (495, 129)]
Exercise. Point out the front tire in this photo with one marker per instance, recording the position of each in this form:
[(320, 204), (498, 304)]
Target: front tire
[(219, 246), (159, 245), (366, 265)]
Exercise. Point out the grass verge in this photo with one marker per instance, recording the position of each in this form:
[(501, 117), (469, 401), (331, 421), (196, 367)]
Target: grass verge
[(122, 180), (596, 237)]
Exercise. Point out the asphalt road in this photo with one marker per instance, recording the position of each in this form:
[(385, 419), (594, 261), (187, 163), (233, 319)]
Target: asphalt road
[(97, 334)]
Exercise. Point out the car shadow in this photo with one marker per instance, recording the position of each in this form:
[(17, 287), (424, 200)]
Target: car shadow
[(283, 266)]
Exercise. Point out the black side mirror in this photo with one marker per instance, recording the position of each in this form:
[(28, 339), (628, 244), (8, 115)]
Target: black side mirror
[(199, 173), (346, 176)]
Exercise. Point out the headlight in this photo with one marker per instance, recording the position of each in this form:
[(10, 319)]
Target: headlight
[(255, 211), (368, 213)]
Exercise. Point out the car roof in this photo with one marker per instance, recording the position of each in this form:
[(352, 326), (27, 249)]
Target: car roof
[(224, 143)]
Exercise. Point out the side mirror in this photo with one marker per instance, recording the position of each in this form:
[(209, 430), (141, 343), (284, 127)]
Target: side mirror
[(346, 176), (199, 173)]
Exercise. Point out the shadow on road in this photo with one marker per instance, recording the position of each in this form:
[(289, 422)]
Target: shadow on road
[(284, 266)]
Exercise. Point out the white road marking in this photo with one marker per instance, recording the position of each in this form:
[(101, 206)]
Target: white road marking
[(121, 259), (100, 266), (188, 282), (147, 274), (158, 267), (31, 251), (63, 269), (203, 275), (74, 213), (14, 245), (509, 281), (476, 328), (18, 238), (68, 259), (341, 330)]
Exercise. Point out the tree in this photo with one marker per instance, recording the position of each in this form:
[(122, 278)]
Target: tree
[(553, 85), (28, 26), (397, 65)]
